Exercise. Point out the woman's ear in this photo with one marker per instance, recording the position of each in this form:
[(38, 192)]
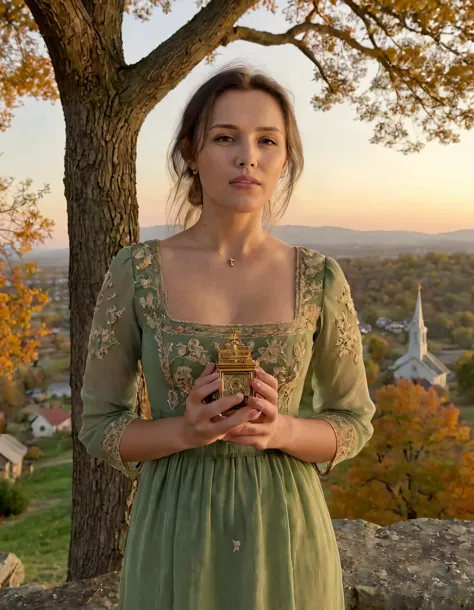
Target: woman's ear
[(185, 149)]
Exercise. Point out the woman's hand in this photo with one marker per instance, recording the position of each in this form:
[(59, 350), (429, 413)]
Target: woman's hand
[(202, 424), (265, 432)]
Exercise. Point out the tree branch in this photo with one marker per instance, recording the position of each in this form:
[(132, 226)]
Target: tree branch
[(435, 36), (288, 37), (107, 17), (299, 44), (60, 22), (149, 80)]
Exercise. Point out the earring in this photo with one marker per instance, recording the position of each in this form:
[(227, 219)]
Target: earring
[(195, 171)]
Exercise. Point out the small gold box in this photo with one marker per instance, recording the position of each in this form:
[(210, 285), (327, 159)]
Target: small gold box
[(236, 367)]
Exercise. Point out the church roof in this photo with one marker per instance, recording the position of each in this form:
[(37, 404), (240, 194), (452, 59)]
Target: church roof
[(418, 348), (418, 320), (429, 360), (435, 364)]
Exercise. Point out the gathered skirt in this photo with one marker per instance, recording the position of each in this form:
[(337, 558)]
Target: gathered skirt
[(226, 527)]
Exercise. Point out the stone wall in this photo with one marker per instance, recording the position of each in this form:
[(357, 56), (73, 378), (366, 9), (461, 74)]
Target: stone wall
[(422, 564)]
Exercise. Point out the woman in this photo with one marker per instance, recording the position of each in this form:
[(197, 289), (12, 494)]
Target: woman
[(229, 513)]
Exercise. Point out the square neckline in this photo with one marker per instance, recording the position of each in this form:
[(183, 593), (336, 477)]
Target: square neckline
[(164, 298)]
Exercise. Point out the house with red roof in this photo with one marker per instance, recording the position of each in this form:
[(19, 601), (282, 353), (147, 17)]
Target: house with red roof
[(51, 421)]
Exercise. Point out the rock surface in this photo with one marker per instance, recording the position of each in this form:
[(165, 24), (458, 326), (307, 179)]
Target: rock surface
[(94, 594), (422, 564), (12, 572)]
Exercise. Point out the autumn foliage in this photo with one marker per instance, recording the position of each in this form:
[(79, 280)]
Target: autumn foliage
[(21, 226), (418, 56), (419, 462)]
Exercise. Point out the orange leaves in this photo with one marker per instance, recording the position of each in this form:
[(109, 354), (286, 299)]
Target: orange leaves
[(25, 67), (21, 226), (420, 54), (419, 463)]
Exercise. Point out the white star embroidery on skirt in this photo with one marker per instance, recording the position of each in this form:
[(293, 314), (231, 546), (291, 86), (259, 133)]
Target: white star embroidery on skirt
[(236, 545)]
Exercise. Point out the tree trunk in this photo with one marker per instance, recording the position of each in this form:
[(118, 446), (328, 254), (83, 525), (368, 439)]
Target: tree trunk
[(100, 188), (105, 103)]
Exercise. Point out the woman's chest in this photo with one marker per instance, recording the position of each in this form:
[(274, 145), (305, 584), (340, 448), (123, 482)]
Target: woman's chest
[(174, 352), (172, 363), (226, 296)]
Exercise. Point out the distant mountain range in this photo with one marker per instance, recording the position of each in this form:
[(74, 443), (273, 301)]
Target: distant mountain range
[(335, 241)]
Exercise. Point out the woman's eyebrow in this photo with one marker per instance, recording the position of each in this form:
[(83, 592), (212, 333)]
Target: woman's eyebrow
[(230, 126)]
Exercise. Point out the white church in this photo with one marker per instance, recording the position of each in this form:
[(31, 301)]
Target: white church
[(418, 363)]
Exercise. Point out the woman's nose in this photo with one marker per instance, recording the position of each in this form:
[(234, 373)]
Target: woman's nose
[(246, 155), (247, 163)]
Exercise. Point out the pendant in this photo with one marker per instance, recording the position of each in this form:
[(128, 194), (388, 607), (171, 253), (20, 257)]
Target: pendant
[(231, 261)]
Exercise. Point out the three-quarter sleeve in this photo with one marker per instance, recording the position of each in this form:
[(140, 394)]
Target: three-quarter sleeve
[(109, 388), (337, 380)]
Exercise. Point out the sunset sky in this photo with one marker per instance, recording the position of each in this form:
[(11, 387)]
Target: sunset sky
[(347, 181)]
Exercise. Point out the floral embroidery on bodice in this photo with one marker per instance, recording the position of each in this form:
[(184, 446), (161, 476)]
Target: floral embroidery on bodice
[(317, 357), (184, 347)]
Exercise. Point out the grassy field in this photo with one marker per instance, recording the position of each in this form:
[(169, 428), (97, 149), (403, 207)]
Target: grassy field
[(57, 445), (467, 414), (40, 536)]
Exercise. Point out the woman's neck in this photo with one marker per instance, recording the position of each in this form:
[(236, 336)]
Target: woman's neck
[(229, 239)]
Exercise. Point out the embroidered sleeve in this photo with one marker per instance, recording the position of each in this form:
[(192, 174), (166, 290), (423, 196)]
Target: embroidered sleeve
[(109, 387), (338, 385)]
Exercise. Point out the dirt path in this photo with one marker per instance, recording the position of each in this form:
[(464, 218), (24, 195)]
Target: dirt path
[(60, 459)]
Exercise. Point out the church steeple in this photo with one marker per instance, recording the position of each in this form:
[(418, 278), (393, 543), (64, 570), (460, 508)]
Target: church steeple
[(418, 345)]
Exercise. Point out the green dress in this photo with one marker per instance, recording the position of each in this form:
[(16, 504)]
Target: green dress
[(226, 527)]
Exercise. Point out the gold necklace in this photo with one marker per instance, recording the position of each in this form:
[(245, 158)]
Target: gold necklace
[(230, 260)]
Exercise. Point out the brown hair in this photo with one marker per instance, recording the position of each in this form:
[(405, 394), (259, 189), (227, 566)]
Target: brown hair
[(193, 125)]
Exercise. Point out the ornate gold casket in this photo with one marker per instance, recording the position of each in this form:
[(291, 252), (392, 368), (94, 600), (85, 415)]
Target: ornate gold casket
[(236, 368)]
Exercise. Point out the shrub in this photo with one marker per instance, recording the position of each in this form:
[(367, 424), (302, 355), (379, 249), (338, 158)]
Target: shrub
[(13, 499), (33, 453)]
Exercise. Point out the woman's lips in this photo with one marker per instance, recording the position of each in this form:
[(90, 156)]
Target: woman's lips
[(244, 185)]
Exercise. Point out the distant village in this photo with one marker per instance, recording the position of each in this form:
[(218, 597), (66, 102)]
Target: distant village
[(42, 421), (43, 417), (386, 324), (45, 407)]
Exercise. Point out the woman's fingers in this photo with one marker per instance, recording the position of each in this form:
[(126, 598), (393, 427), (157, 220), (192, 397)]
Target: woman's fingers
[(250, 428), (222, 404), (267, 378), (267, 391), (223, 426), (205, 386), (267, 408), (208, 371)]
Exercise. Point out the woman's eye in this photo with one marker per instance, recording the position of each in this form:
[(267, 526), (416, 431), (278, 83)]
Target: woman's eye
[(229, 138)]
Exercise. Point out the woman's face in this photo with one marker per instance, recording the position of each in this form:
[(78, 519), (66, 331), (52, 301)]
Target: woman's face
[(246, 136)]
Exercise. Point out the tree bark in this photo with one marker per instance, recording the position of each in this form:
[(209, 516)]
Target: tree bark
[(100, 188), (105, 103)]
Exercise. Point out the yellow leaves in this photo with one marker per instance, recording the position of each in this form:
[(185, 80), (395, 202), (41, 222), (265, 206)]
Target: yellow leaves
[(21, 227), (19, 340), (24, 68)]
